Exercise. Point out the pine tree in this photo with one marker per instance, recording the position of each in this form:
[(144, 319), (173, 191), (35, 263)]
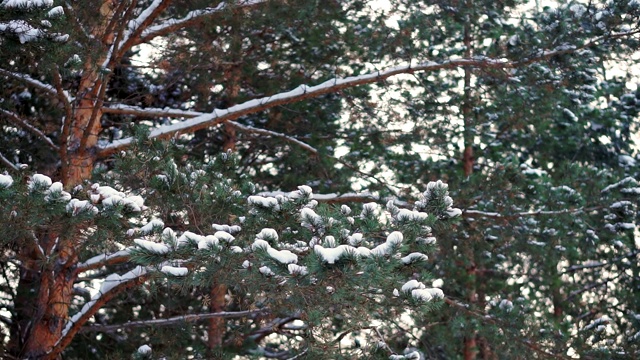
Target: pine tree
[(513, 106)]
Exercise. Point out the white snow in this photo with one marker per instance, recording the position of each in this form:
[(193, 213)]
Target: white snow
[(267, 202), (224, 236), (295, 269), (174, 271), (103, 257), (411, 215), (427, 294), (109, 283), (5, 181), (55, 12), (27, 4), (413, 257), (39, 180), (412, 284), (268, 234), (394, 239), (331, 255), (230, 229), (283, 256), (266, 271), (157, 248), (144, 350), (626, 160), (154, 223), (76, 206), (505, 305)]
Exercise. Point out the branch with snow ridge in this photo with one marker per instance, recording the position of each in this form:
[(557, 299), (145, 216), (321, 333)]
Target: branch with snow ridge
[(170, 26), (303, 92), (16, 120), (175, 320)]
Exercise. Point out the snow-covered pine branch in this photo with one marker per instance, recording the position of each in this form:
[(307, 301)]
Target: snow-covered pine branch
[(303, 92), (167, 26)]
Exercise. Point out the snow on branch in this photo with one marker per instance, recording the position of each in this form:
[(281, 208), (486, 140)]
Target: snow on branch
[(104, 259), (287, 138), (495, 215), (304, 92), (16, 120), (175, 320), (171, 25), (120, 109), (33, 82), (111, 286)]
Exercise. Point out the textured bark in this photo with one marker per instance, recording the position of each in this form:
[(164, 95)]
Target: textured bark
[(44, 294), (217, 326)]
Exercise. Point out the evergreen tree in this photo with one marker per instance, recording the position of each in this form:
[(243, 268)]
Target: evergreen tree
[(515, 106)]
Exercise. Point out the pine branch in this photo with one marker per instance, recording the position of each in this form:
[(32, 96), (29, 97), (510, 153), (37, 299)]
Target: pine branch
[(304, 92), (8, 163), (47, 88), (101, 260), (143, 21), (120, 109), (89, 309), (16, 120), (495, 215), (172, 25), (174, 320), (287, 138), (493, 320)]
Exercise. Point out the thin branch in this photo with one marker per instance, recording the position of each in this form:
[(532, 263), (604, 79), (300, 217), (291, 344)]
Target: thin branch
[(120, 109), (575, 268), (287, 138), (495, 215), (89, 309), (8, 163), (33, 82), (142, 22), (174, 320), (170, 26), (101, 260), (482, 317), (303, 92), (16, 120)]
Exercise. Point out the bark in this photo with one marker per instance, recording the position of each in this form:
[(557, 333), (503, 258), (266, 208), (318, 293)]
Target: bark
[(217, 326), (45, 290)]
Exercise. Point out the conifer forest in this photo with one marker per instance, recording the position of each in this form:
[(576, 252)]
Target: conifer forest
[(319, 179)]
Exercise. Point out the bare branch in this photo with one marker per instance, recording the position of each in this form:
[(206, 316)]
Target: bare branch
[(16, 120), (174, 320), (35, 83), (287, 138), (8, 163), (171, 25)]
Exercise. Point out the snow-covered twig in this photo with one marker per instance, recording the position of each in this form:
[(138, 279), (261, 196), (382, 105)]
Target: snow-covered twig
[(16, 120), (287, 138), (7, 163), (33, 82), (594, 265), (495, 215), (169, 26), (120, 109), (101, 260), (175, 320)]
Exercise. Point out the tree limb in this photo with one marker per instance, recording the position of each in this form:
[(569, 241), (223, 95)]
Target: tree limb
[(33, 82), (8, 163), (172, 25), (174, 320), (304, 92), (16, 120)]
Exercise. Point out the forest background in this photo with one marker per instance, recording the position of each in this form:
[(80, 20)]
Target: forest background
[(319, 179)]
